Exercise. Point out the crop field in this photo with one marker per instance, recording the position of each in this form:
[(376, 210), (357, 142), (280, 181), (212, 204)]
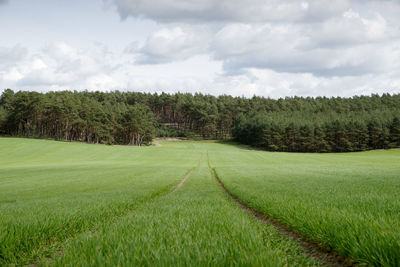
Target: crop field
[(348, 202), (76, 204)]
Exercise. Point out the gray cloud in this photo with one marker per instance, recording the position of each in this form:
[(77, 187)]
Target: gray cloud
[(204, 11), (325, 38)]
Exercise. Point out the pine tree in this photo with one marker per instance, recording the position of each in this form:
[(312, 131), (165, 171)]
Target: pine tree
[(395, 133)]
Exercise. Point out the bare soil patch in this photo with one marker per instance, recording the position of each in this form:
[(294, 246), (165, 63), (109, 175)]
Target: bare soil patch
[(169, 139)]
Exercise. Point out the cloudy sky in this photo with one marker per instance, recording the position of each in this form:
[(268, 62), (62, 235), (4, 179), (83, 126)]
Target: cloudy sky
[(271, 48)]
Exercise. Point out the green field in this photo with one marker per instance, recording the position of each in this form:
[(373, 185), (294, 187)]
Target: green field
[(93, 205)]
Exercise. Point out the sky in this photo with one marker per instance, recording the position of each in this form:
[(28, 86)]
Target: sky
[(271, 48)]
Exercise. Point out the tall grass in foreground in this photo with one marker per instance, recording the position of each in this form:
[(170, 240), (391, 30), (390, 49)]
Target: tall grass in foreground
[(196, 225), (53, 191), (348, 202), (76, 204)]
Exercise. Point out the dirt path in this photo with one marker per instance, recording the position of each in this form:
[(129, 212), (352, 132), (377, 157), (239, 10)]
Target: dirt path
[(311, 248), (182, 182)]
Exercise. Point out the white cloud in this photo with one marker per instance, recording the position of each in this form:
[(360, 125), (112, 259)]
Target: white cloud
[(54, 64), (325, 38), (265, 47), (59, 67), (171, 44), (341, 46), (347, 30), (277, 84)]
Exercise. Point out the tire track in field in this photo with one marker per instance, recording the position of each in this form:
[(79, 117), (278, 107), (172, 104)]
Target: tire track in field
[(94, 232), (187, 176), (182, 182), (312, 249)]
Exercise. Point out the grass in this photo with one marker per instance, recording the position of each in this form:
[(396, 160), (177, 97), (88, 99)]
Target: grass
[(196, 225), (51, 191), (93, 205), (348, 202)]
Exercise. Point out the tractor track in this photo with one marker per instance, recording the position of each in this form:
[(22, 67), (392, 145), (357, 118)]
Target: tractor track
[(311, 248), (113, 219), (182, 182), (187, 176)]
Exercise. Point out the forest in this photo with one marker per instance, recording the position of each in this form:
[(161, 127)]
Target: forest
[(294, 124)]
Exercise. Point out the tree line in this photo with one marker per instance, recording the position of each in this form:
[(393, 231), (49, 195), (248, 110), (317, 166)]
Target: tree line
[(332, 132), (301, 124), (73, 116)]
